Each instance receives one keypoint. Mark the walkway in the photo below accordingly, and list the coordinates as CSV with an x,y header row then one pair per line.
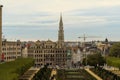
x,y
93,74
113,70
54,72
28,75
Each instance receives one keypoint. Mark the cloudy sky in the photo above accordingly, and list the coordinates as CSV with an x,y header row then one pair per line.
x,y
38,19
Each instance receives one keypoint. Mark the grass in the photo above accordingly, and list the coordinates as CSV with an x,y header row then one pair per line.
x,y
12,70
113,61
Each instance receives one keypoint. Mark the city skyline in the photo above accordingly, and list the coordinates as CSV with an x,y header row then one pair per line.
x,y
26,19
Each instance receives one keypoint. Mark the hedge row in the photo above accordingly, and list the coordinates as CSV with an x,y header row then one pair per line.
x,y
105,74
12,70
43,74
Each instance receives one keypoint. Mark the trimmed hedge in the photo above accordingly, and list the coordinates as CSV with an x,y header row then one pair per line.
x,y
43,74
105,74
12,70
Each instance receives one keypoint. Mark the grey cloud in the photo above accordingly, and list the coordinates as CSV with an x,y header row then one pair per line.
x,y
45,22
98,11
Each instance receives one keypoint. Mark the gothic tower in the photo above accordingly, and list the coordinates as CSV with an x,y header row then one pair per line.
x,y
0,30
61,33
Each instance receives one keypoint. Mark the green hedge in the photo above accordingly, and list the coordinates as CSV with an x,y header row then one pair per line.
x,y
12,70
113,61
43,74
105,74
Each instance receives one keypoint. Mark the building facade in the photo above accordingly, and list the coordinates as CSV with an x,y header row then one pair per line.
x,y
46,52
11,50
49,52
104,47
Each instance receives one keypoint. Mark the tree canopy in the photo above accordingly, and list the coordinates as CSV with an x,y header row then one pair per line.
x,y
94,59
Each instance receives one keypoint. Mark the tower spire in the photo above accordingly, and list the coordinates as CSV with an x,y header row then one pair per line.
x,y
60,16
61,32
61,22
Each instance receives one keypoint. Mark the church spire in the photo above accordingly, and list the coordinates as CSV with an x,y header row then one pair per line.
x,y
61,32
61,22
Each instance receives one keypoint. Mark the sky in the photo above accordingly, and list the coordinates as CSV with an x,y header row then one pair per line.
x,y
31,20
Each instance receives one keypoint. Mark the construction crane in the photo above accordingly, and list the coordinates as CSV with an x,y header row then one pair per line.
x,y
84,38
84,47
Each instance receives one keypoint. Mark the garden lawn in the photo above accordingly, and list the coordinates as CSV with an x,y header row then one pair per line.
x,y
12,70
113,61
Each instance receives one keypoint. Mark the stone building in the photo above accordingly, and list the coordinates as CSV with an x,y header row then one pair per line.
x,y
46,52
49,52
11,50
104,47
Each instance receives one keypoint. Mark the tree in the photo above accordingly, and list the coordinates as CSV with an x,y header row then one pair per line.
x,y
94,59
115,50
